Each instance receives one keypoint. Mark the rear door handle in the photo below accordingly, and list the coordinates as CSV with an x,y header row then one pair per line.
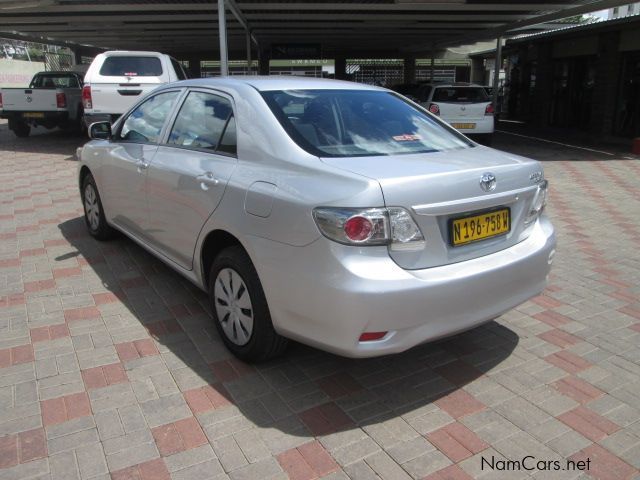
x,y
130,93
142,166
207,179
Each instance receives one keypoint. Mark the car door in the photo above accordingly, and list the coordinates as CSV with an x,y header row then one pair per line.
x,y
124,170
189,173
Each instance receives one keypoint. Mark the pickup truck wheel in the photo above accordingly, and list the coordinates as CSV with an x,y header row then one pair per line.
x,y
240,309
93,211
82,126
21,129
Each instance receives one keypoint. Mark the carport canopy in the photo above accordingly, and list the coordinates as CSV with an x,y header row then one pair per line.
x,y
362,28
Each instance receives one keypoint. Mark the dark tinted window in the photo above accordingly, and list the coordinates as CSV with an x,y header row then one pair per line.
x,y
178,69
201,122
344,123
131,67
55,81
145,123
460,95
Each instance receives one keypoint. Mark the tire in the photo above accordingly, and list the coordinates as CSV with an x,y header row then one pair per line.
x,y
240,309
93,211
485,139
82,126
21,129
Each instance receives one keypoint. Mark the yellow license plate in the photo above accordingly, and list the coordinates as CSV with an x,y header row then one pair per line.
x,y
464,126
480,227
33,115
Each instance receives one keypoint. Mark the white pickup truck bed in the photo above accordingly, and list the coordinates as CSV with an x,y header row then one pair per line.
x,y
54,99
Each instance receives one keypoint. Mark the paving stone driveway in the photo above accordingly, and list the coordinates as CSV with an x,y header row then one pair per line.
x,y
109,364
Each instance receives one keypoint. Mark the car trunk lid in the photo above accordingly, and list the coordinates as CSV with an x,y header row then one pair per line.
x,y
463,111
440,187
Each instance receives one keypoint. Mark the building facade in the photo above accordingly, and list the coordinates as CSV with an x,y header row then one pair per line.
x,y
584,78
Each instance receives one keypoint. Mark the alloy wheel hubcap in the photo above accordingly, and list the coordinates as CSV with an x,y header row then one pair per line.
x,y
233,306
91,207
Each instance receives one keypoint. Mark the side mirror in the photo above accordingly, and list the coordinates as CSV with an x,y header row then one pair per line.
x,y
100,131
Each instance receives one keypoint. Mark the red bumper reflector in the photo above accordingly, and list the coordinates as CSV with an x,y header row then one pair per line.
x,y
371,336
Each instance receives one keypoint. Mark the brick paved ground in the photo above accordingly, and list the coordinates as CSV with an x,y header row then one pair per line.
x,y
109,364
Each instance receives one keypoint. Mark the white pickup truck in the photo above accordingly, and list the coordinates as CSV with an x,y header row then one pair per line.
x,y
118,79
53,99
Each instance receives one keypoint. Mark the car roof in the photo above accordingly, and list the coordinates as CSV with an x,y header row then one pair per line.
x,y
58,72
454,85
274,82
127,53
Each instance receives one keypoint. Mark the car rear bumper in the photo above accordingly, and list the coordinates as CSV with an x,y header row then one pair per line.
x,y
36,117
481,126
326,295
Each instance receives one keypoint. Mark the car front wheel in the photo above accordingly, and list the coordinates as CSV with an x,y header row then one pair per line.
x,y
240,309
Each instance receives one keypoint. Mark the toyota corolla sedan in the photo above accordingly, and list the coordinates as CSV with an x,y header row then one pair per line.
x,y
339,215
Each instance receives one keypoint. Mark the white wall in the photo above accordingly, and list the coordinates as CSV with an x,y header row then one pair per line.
x,y
18,73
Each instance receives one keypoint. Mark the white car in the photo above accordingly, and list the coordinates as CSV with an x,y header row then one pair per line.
x,y
116,80
464,106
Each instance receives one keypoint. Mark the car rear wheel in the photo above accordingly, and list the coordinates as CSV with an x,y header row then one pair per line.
x,y
484,139
240,309
21,129
93,211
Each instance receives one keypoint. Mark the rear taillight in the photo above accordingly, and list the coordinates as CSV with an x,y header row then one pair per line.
x,y
61,100
489,110
358,229
0,100
434,108
86,97
370,226
539,202
371,336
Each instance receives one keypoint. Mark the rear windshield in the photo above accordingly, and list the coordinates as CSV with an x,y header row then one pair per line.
x,y
347,123
414,92
131,67
460,95
55,81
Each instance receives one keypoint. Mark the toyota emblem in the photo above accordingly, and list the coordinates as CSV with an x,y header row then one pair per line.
x,y
29,99
488,182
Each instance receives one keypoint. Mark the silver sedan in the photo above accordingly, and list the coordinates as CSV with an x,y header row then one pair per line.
x,y
339,215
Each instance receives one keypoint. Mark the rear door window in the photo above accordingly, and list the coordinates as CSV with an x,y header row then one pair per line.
x,y
205,121
131,67
460,95
144,124
55,81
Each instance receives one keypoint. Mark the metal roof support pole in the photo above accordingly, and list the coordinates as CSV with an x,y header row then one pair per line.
x,y
433,63
222,33
249,69
496,73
